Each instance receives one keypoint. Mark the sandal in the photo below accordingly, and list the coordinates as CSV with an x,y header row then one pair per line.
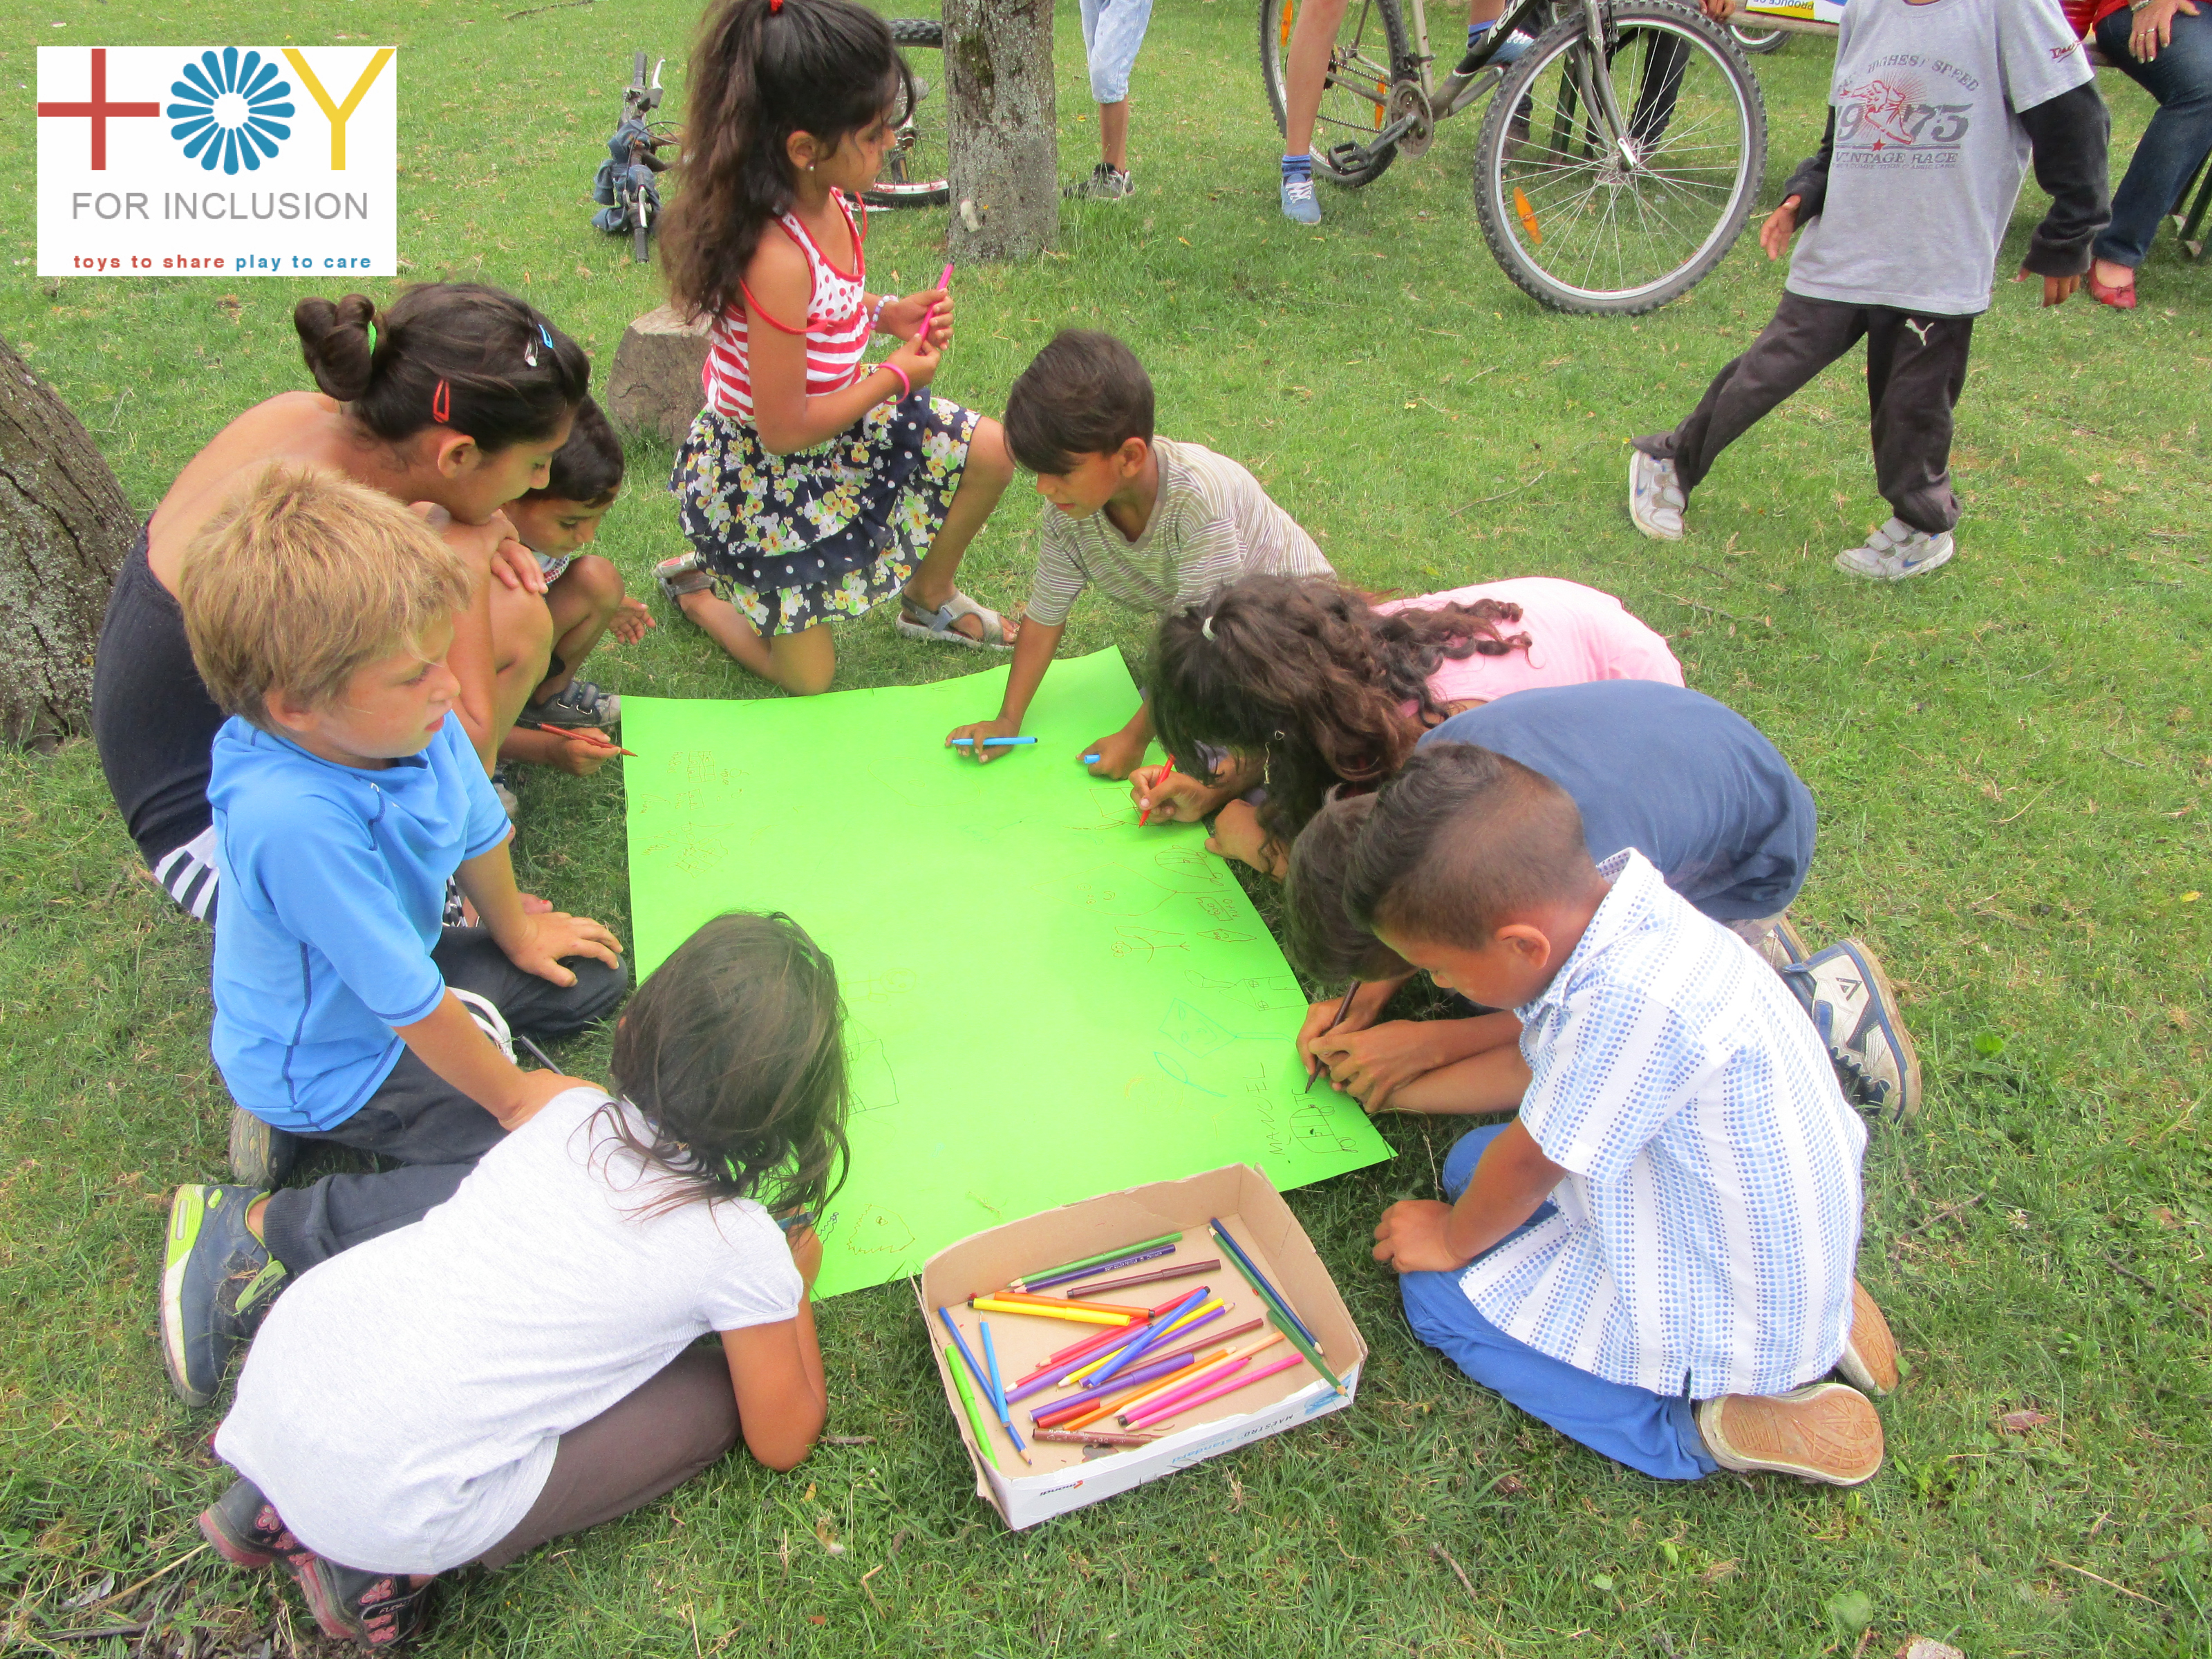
x,y
2120,299
680,575
917,622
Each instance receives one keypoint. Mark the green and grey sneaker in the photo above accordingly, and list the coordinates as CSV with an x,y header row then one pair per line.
x,y
1107,183
1852,1007
217,1283
261,1155
579,703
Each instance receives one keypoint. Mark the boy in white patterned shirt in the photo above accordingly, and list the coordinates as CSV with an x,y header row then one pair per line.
x,y
1656,1255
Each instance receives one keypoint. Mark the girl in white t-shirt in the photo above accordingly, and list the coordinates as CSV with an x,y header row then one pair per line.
x,y
524,1361
1309,683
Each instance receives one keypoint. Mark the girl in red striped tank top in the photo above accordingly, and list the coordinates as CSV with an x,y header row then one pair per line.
x,y
814,486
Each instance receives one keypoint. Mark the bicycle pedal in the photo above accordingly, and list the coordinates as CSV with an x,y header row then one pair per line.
x,y
1347,156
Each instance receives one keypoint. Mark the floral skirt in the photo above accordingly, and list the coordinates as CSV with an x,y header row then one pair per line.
x,y
821,533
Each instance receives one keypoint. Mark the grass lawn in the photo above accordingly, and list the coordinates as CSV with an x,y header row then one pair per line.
x,y
2012,759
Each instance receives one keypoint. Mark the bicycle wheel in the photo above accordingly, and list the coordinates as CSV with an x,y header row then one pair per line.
x,y
1759,42
1370,53
1582,226
914,171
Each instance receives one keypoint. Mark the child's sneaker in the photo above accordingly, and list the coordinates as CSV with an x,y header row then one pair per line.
x,y
1107,183
682,575
579,703
1853,1008
1823,1432
1783,947
1655,498
1895,551
375,1609
217,1283
1869,1356
248,1532
1300,205
261,1155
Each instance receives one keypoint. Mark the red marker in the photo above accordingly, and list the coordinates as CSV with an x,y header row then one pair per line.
x,y
1163,777
944,281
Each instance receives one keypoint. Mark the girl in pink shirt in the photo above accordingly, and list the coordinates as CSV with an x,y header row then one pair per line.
x,y
1309,683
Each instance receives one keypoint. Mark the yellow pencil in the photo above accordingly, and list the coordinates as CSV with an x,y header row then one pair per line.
x,y
1080,1315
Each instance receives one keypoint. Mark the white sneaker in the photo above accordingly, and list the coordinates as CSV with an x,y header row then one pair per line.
x,y
1656,500
1895,551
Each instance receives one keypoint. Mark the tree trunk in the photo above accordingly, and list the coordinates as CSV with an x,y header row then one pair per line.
x,y
1005,159
65,528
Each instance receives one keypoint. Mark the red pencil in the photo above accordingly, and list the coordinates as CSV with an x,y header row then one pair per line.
x,y
1163,777
596,737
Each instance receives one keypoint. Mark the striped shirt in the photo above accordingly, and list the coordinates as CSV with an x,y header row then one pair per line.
x,y
836,326
1707,1228
1211,524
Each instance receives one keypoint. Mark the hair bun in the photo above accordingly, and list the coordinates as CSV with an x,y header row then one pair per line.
x,y
334,339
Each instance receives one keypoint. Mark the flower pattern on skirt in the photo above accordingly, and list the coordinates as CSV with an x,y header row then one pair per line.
x,y
823,533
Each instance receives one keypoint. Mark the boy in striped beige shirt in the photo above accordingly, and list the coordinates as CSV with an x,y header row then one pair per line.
x,y
1154,524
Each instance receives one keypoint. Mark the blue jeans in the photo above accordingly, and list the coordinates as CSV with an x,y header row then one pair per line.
x,y
1112,32
2179,135
1652,1433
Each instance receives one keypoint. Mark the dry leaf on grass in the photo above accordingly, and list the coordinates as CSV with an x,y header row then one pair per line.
x,y
2021,1422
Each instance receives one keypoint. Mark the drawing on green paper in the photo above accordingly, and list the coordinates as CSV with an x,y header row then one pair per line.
x,y
1044,1001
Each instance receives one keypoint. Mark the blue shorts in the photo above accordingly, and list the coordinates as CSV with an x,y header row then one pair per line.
x,y
1112,32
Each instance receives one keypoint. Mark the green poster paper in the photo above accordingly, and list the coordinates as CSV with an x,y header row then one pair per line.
x,y
1045,1002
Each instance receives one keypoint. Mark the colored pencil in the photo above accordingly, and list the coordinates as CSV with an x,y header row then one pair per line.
x,y
1163,778
1091,759
1068,1276
1258,1280
961,1343
1057,1375
1092,1438
1180,1270
1230,1386
974,1417
1106,1409
990,743
990,1304
1074,1351
1342,1009
1225,1357
929,316
1190,1350
1152,1337
1076,1404
1159,1330
991,1365
1023,1282
592,735
1287,1321
804,1218
1205,1315
1064,1301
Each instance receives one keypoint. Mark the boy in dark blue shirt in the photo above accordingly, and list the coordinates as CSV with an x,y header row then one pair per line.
x,y
345,795
1685,780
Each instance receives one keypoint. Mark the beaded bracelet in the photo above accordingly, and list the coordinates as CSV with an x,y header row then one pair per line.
x,y
876,314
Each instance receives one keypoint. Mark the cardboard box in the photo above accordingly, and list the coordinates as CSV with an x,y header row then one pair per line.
x,y
1069,1477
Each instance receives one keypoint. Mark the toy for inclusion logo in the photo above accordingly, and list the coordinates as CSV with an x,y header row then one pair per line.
x,y
625,182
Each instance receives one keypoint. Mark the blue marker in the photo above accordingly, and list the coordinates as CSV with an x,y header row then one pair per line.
x,y
1091,759
804,1218
991,743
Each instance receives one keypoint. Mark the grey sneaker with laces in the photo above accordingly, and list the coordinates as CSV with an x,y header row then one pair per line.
x,y
1657,499
1895,551
579,703
1107,183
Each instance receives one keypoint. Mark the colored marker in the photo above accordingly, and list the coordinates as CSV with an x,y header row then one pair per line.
x,y
1258,1280
1064,1301
1100,1364
1068,1276
1076,1404
944,281
1231,1386
1005,1419
1288,1322
974,1417
1091,759
990,743
1037,1310
991,1365
1180,1270
1028,1281
1151,1339
1163,779
1342,1009
804,1218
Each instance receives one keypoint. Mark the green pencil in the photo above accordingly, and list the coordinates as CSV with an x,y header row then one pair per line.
x,y
974,1417
1287,1323
1093,1261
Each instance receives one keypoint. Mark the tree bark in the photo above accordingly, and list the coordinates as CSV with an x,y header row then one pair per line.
x,y
65,528
1005,154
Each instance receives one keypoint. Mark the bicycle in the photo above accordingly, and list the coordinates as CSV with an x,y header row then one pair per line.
x,y
625,181
1758,42
1590,205
915,171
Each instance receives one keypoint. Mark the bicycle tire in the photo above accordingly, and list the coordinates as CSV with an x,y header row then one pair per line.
x,y
1653,23
1276,18
1759,42
927,186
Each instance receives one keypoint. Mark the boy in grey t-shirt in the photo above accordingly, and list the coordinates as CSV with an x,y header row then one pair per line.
x,y
1937,109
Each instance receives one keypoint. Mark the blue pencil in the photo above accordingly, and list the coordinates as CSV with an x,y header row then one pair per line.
x,y
1151,1339
990,743
983,1381
991,1365
1260,1283
804,1218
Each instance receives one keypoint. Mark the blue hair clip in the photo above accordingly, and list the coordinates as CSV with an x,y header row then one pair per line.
x,y
546,335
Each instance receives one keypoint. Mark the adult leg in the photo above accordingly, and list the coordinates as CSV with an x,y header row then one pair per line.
x,y
640,1448
2175,141
1803,338
983,478
1915,368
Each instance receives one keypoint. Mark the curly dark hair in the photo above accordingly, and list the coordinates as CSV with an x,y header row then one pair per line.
x,y
1304,671
759,72
733,1053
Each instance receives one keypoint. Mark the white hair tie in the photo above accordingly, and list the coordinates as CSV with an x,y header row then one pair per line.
x,y
1206,627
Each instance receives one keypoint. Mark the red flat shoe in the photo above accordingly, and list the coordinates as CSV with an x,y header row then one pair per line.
x,y
2120,299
